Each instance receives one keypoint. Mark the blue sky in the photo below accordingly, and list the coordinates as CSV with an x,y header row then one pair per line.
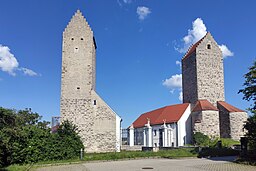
x,y
139,44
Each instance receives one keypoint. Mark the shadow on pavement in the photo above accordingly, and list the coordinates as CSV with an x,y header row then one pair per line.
x,y
225,158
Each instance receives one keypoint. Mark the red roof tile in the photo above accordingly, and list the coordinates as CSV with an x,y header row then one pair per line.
x,y
229,107
168,113
193,48
203,105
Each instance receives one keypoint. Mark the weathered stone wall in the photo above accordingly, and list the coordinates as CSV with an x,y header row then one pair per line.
x,y
202,73
224,122
206,122
231,123
237,121
210,76
189,80
79,102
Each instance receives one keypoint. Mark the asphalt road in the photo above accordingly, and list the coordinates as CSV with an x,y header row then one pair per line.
x,y
194,164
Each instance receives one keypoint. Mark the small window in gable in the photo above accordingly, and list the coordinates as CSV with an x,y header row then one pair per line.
x,y
208,46
94,102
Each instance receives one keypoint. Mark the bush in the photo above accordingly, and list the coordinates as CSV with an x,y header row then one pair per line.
x,y
200,139
24,139
217,152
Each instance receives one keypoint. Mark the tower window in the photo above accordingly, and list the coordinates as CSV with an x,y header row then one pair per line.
x,y
94,102
208,46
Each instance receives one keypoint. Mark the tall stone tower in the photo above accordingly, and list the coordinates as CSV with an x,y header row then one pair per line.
x,y
203,87
202,72
99,125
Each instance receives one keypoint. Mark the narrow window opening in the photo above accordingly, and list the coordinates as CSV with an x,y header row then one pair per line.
x,y
208,46
82,38
94,102
72,38
78,88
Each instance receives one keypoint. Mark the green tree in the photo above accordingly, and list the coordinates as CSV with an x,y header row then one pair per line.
x,y
26,139
249,92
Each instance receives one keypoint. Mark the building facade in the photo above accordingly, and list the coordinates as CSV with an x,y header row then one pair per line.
x,y
203,91
203,88
99,125
168,126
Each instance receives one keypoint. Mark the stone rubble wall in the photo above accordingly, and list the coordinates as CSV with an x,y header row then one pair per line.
x,y
224,122
231,123
210,75
206,122
189,80
237,121
79,102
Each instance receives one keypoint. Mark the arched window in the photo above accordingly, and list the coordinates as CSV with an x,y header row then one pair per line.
x,y
208,46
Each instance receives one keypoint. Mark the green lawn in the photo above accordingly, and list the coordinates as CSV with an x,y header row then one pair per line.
x,y
175,153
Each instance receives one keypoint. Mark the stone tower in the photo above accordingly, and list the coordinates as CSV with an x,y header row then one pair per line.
x,y
99,125
203,87
202,72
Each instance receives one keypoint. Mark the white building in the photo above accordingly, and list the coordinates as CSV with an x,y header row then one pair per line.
x,y
169,126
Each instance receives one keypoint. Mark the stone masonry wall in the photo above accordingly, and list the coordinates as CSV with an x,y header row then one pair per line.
x,y
79,102
206,122
202,73
189,80
224,122
231,123
210,75
237,121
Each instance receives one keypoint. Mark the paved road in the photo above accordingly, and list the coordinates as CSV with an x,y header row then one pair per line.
x,y
214,164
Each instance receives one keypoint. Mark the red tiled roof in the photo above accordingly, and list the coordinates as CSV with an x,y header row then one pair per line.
x,y
168,113
229,107
193,47
203,105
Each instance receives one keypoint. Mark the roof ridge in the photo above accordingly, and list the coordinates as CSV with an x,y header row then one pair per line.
x,y
229,107
193,46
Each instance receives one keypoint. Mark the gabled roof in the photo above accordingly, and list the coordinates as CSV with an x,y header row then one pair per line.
x,y
202,105
168,113
229,107
193,47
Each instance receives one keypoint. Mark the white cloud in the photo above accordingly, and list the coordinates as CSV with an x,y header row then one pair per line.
x,y
127,1
225,51
122,2
198,31
28,72
175,81
181,95
143,12
178,63
8,62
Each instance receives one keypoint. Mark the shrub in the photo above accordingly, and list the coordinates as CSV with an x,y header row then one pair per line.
x,y
217,152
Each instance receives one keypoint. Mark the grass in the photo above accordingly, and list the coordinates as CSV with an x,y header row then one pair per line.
x,y
227,142
174,153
